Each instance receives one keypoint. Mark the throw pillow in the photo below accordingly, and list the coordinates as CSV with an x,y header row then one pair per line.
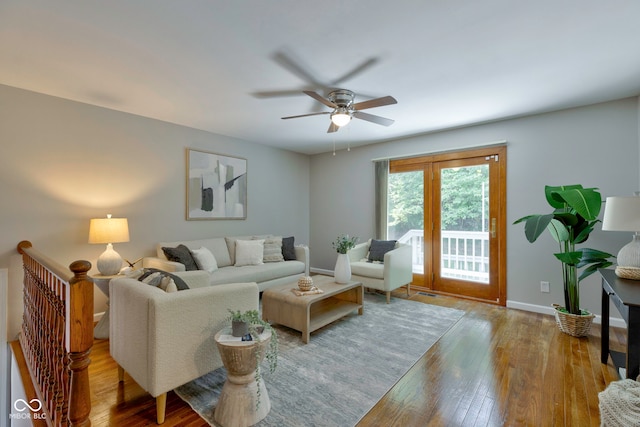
x,y
288,250
272,249
181,254
153,276
168,285
249,252
165,283
205,259
378,248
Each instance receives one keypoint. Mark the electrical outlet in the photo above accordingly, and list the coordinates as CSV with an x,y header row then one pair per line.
x,y
544,286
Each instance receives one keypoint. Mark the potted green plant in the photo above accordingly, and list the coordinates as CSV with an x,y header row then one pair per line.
x,y
255,326
574,216
342,270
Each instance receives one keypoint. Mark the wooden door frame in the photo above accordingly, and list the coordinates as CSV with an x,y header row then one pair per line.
x,y
425,163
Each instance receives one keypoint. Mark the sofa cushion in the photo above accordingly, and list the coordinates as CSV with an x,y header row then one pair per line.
x,y
288,249
257,273
181,254
378,248
367,269
205,259
249,252
272,249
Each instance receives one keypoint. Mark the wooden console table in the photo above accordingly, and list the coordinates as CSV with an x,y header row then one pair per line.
x,y
625,295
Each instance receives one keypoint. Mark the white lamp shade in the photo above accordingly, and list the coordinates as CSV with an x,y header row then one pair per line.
x,y
108,230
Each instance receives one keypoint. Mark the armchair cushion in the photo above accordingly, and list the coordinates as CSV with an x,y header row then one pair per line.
x,y
367,269
378,248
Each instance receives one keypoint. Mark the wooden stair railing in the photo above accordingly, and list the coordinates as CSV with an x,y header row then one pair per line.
x,y
57,335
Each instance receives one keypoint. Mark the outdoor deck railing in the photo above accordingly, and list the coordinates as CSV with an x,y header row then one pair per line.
x,y
465,254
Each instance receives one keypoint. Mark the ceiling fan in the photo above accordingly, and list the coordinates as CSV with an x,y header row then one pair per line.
x,y
343,108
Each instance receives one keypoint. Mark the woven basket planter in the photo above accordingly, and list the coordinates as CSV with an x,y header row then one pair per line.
x,y
573,324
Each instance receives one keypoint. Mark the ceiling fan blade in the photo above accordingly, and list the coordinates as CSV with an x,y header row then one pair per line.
x,y
319,98
294,67
357,70
333,128
305,115
373,119
378,102
276,93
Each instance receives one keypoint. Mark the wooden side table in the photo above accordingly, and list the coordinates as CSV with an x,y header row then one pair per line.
x,y
625,295
238,402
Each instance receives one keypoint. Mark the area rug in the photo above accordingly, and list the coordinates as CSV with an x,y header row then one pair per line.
x,y
344,370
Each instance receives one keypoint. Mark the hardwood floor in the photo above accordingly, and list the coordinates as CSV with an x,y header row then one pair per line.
x,y
495,367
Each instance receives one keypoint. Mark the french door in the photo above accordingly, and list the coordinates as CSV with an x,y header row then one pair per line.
x,y
450,208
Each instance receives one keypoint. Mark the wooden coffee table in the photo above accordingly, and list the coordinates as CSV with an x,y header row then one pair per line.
x,y
308,313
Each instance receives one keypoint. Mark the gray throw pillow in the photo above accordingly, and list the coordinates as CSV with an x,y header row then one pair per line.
x,y
181,254
288,250
380,247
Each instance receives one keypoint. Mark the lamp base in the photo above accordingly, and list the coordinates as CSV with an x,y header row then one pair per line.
x,y
110,262
631,273
629,260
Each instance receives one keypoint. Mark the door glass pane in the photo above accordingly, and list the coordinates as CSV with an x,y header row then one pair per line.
x,y
405,214
464,219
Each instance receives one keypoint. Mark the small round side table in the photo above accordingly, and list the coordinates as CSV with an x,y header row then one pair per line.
x,y
238,402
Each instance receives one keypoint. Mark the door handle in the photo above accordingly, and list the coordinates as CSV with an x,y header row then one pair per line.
x,y
493,228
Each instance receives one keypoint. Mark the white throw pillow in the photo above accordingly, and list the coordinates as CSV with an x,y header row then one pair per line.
x,y
205,259
249,252
168,285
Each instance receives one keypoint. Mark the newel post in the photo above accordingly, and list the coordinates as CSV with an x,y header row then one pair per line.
x,y
79,340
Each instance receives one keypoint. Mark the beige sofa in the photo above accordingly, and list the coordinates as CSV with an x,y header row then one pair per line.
x,y
266,275
164,340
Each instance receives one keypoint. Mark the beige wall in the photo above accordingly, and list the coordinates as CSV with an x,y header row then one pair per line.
x,y
62,163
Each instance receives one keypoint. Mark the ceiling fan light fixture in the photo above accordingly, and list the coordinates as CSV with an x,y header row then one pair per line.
x,y
341,117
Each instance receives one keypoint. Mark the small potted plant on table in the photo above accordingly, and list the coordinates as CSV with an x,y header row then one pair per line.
x,y
573,219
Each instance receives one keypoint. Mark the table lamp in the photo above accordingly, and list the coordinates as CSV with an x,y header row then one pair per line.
x,y
623,214
109,230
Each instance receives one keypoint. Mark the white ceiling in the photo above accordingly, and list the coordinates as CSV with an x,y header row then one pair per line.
x,y
210,64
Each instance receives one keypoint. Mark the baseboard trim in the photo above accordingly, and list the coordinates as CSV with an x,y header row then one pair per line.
x,y
321,271
613,321
617,322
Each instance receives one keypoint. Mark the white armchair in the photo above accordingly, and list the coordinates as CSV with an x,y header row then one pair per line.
x,y
394,272
164,340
